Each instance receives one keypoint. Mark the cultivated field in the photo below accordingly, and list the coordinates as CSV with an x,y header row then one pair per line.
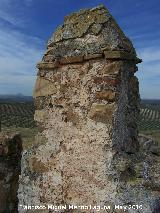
x,y
19,116
16,114
149,116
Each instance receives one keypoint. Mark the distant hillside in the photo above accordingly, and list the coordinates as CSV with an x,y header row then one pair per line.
x,y
15,98
150,101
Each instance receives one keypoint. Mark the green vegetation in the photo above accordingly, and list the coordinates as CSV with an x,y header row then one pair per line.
x,y
149,121
19,117
17,114
27,134
149,117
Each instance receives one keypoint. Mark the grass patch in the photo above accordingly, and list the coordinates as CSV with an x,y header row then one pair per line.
x,y
27,134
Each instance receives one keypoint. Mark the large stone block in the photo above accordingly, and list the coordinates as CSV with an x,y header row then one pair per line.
x,y
44,87
48,65
106,95
106,80
40,115
111,68
102,113
70,60
94,56
118,55
36,165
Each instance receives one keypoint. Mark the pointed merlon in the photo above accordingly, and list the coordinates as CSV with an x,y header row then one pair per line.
x,y
89,32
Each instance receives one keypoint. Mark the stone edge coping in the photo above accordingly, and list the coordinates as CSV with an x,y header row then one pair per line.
x,y
116,55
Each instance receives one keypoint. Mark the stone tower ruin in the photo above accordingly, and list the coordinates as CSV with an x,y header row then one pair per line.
x,y
87,105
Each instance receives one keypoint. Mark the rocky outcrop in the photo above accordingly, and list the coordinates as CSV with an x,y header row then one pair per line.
x,y
87,105
10,169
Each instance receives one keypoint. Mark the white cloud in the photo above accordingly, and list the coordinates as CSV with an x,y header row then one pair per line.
x,y
150,67
18,52
6,14
6,17
17,84
149,54
28,2
149,72
18,61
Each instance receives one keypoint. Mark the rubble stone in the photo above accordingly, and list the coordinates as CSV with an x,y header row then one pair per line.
x,y
10,169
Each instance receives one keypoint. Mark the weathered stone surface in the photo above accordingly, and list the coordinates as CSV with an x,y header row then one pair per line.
x,y
42,102
125,107
77,24
69,60
118,55
37,166
102,113
71,116
107,80
40,115
88,57
48,58
106,95
44,87
49,65
10,168
111,68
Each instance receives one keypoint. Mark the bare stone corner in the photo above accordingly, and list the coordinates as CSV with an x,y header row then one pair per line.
x,y
87,105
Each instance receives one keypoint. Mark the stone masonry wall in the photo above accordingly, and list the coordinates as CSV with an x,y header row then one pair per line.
x,y
87,105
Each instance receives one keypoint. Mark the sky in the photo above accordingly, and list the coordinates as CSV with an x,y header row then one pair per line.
x,y
27,25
